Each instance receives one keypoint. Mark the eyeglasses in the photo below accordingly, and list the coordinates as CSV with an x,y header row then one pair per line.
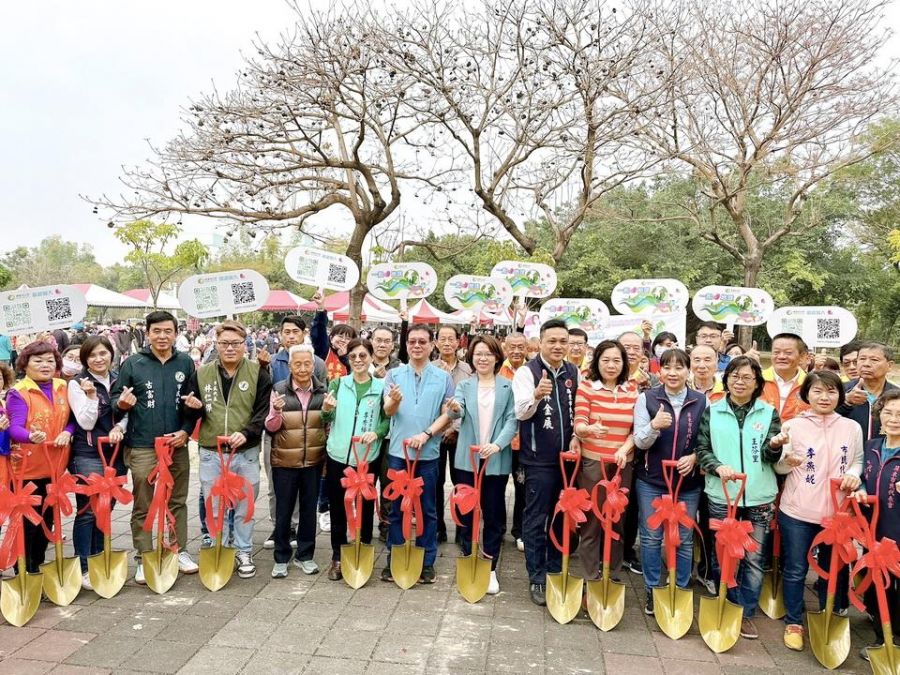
x,y
230,344
484,355
742,378
358,357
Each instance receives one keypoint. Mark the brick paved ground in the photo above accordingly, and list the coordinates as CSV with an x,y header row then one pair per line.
x,y
313,625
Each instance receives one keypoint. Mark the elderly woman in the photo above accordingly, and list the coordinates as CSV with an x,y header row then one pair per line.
x,y
38,410
90,404
298,454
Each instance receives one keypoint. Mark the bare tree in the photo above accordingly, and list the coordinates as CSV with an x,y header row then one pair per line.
x,y
538,98
767,97
315,122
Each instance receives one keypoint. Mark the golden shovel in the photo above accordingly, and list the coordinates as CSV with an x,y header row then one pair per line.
x,y
161,564
605,597
357,559
19,597
564,590
107,570
719,618
473,572
407,560
62,576
673,607
771,597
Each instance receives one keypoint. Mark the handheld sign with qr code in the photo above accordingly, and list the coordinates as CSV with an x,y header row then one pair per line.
x,y
321,269
222,293
820,327
31,310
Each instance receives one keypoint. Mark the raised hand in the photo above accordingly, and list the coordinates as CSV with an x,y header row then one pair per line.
x,y
192,402
663,420
329,403
87,386
127,400
544,387
277,401
395,394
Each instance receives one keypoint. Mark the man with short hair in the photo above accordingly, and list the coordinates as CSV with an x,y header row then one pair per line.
x,y
578,342
785,377
149,390
634,347
703,373
544,391
383,360
848,356
874,361
230,397
515,348
710,333
414,398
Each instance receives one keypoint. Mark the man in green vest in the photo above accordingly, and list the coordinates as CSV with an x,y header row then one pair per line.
x,y
230,396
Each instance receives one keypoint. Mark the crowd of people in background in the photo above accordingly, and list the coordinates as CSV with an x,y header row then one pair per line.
x,y
290,398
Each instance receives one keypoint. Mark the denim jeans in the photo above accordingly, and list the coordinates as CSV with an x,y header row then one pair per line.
x,y
652,550
86,538
542,488
796,538
201,505
246,464
428,471
749,574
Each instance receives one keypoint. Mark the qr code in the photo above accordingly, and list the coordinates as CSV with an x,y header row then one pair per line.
x,y
242,293
828,329
794,326
207,298
17,315
306,267
59,309
337,274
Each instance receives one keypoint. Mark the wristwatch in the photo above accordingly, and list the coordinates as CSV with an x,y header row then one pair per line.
x,y
428,433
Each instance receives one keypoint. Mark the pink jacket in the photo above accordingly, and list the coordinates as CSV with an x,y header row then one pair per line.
x,y
831,446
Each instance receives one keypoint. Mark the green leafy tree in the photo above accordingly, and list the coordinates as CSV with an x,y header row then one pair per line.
x,y
52,261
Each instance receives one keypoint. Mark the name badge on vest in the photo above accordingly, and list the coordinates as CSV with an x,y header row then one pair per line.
x,y
243,385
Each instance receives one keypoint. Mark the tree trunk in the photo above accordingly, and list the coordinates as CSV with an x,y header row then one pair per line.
x,y
358,292
752,267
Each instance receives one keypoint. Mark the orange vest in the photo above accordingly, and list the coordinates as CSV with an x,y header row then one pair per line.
x,y
506,370
51,418
793,404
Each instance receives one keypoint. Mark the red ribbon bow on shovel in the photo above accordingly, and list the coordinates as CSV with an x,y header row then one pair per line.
x,y
838,531
229,488
882,561
733,541
463,500
163,483
615,503
358,485
102,490
670,513
58,492
573,504
16,506
404,486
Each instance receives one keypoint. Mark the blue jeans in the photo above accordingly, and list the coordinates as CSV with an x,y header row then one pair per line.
x,y
796,538
87,539
749,573
201,498
246,464
652,551
428,471
542,488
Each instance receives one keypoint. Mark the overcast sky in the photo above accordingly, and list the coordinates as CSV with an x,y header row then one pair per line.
x,y
85,82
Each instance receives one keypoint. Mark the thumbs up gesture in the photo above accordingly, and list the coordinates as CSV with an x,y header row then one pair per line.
x,y
192,402
663,420
544,387
857,395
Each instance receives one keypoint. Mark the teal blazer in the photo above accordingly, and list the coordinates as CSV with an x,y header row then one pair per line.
x,y
503,426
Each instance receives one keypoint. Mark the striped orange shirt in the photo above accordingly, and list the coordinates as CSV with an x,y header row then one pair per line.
x,y
613,408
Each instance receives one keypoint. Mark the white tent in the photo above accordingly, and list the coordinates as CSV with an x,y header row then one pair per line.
x,y
164,301
97,296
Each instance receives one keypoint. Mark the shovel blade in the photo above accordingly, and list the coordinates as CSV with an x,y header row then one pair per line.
x,y
19,607
831,645
160,570
62,589
216,566
107,585
406,564
674,617
605,615
357,570
885,660
771,598
473,574
719,636
564,593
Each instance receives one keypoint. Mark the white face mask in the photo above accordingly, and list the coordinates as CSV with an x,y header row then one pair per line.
x,y
71,368
659,350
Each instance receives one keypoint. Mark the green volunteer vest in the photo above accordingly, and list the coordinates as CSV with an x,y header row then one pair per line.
x,y
742,449
221,417
366,416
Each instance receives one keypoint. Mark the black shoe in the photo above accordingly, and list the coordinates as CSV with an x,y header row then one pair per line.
x,y
648,608
539,594
386,574
428,575
634,565
442,536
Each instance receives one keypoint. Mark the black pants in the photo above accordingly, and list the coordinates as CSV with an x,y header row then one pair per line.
x,y
518,477
35,539
333,475
893,603
291,486
448,450
384,505
493,507
542,488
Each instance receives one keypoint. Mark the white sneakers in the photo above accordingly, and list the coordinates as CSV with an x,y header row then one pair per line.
x,y
325,521
279,571
139,575
493,585
520,544
186,564
86,582
245,567
308,566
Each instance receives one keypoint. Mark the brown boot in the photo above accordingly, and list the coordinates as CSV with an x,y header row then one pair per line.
x,y
334,571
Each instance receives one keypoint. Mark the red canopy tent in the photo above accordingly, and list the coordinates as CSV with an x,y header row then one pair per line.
x,y
338,307
333,302
282,301
424,312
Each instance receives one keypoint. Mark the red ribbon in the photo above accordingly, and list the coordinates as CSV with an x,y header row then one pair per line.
x,y
102,490
16,506
358,485
409,490
614,505
573,504
670,513
57,497
463,500
838,531
230,488
163,483
733,541
882,561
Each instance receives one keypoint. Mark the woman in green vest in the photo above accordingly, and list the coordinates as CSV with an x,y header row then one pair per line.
x,y
742,434
353,407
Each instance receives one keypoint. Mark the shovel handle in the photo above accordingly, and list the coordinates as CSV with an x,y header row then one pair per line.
x,y
732,504
569,456
104,440
356,441
669,468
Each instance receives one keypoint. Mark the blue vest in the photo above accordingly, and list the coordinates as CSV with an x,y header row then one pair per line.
x,y
672,443
85,442
549,431
421,405
881,480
